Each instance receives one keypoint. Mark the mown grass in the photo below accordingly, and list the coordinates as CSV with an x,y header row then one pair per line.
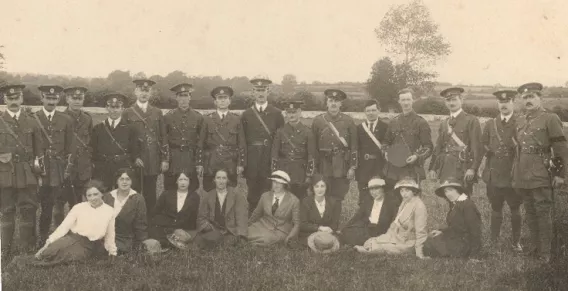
x,y
280,268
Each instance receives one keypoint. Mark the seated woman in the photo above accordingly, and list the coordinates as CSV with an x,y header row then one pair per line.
x,y
131,227
407,232
83,228
223,214
318,212
462,236
175,210
372,219
276,218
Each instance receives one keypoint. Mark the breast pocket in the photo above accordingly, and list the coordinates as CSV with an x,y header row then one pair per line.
x,y
58,136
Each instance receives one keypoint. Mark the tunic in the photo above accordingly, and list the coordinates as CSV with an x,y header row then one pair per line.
x,y
182,129
500,145
371,159
267,228
293,151
334,158
83,126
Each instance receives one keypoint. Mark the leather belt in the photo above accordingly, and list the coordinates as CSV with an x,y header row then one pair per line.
x,y
259,143
370,157
113,157
182,148
534,150
20,158
452,149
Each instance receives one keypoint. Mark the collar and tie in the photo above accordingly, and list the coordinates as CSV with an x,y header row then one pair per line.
x,y
49,117
113,124
275,205
222,116
371,125
260,109
504,120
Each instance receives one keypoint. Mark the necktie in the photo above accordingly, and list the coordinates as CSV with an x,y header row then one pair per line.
x,y
274,206
260,109
112,124
222,117
504,120
49,117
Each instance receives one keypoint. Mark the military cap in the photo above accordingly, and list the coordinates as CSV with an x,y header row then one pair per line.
x,y
505,95
115,99
450,182
75,90
50,89
143,82
292,105
530,88
451,92
12,89
335,94
222,91
260,81
182,88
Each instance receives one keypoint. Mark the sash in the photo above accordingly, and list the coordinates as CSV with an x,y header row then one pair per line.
x,y
261,121
454,136
12,133
43,129
220,135
113,139
372,136
147,126
336,132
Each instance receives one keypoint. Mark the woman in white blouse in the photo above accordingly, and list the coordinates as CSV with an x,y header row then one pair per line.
x,y
77,236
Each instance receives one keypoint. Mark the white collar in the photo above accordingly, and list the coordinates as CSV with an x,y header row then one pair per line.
x,y
182,194
47,113
114,193
506,117
372,121
320,203
222,192
143,106
461,198
12,114
258,106
117,121
455,114
222,113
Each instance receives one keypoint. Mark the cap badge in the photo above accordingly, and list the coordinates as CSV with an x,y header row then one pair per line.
x,y
334,93
259,83
526,89
11,90
182,89
52,90
222,92
503,95
291,106
78,92
145,84
114,100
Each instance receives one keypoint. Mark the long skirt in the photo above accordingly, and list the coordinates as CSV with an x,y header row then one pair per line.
x,y
388,244
259,235
70,248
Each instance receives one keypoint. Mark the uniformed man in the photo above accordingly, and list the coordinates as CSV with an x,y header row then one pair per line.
x,y
114,142
410,134
458,151
58,150
541,141
260,123
294,150
82,165
370,139
222,141
336,139
21,141
500,146
183,126
150,129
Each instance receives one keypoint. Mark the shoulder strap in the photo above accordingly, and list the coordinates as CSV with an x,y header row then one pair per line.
x,y
113,139
372,136
12,133
147,126
261,121
454,136
335,132
288,139
43,129
497,130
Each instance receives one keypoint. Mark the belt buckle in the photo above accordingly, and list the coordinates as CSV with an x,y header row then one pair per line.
x,y
366,157
16,158
265,142
183,147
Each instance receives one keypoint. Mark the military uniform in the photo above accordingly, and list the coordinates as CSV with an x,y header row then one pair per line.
x,y
222,140
21,142
499,141
371,158
294,152
151,132
539,137
450,159
411,131
82,161
259,146
182,131
114,144
335,159
58,149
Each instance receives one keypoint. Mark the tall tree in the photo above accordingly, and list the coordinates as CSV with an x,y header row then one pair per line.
x,y
1,58
410,35
289,83
381,84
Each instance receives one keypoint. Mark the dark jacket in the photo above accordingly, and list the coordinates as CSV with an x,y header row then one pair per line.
x,y
130,226
167,216
500,149
371,159
310,217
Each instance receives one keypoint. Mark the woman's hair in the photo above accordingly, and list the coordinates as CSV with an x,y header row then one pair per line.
x,y
95,184
185,174
316,179
129,172
222,170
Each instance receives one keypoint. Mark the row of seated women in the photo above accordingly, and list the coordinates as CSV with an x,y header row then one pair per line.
x,y
394,223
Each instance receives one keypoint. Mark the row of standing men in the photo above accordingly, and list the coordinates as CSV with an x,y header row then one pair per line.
x,y
65,149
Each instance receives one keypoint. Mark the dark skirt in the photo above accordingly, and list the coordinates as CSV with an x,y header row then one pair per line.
x,y
70,248
358,233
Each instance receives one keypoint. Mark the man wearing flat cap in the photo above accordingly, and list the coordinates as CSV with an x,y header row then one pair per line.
x,y
222,141
500,150
294,150
21,148
114,142
260,123
82,165
150,128
458,150
540,166
183,125
336,140
58,148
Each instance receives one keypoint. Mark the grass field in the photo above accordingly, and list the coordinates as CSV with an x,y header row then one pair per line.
x,y
279,268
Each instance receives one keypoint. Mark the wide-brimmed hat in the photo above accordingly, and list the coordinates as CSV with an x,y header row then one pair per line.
x,y
180,239
280,177
450,182
153,247
323,242
407,183
375,182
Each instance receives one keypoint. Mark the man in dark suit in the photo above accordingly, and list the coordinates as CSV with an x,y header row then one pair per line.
x,y
371,160
260,123
500,146
58,148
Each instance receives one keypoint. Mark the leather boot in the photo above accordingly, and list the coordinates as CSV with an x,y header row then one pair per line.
x,y
496,221
7,232
27,229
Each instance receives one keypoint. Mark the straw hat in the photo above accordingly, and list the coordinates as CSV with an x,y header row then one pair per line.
x,y
180,239
280,177
450,182
323,242
407,183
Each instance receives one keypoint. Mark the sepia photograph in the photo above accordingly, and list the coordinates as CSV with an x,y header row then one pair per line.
x,y
284,145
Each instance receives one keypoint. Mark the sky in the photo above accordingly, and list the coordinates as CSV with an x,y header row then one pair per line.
x,y
493,41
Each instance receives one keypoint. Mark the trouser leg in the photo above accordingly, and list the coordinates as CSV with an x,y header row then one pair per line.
x,y
531,218
27,203
8,219
256,186
339,187
299,190
514,200
364,195
543,207
496,198
46,201
149,193
59,205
